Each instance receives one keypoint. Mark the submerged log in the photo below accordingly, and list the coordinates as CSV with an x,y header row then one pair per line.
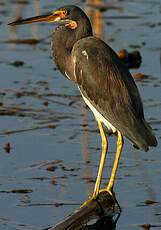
x,y
104,206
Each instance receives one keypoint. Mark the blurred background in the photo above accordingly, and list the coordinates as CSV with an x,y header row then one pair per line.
x,y
49,141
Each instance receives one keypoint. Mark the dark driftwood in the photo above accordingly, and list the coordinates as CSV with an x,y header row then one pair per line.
x,y
94,209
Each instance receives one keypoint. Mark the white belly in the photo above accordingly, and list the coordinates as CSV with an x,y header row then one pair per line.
x,y
98,116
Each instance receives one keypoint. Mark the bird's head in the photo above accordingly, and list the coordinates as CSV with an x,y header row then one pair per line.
x,y
70,15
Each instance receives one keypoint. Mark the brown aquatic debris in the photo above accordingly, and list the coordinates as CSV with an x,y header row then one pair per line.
x,y
7,147
30,41
148,202
51,168
132,60
140,76
17,63
145,226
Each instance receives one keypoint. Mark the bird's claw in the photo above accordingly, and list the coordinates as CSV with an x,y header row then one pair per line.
x,y
95,196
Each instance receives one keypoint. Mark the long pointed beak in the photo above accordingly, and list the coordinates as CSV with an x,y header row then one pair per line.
x,y
52,17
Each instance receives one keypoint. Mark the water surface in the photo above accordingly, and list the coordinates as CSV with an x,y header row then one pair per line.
x,y
46,123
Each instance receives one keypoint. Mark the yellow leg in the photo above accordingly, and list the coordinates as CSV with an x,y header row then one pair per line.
x,y
103,156
109,188
102,161
120,143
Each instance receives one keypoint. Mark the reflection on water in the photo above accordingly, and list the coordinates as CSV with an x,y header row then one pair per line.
x,y
18,13
95,16
45,123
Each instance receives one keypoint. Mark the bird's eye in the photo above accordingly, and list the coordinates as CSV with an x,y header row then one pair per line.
x,y
65,12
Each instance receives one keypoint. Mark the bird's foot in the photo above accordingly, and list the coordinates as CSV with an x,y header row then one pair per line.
x,y
96,195
93,197
87,201
111,192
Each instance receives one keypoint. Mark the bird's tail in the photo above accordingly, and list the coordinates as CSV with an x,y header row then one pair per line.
x,y
143,136
150,138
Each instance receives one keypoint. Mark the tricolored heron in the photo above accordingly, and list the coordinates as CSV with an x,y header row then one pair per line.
x,y
105,83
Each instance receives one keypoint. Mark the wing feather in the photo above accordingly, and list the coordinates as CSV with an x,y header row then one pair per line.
x,y
106,82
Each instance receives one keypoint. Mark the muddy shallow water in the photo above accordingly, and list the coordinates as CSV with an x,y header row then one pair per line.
x,y
49,149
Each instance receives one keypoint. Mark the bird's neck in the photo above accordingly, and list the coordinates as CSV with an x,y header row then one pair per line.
x,y
63,40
